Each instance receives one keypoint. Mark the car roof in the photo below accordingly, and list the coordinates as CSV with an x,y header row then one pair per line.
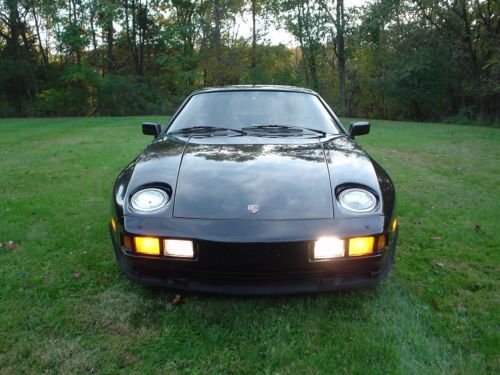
x,y
254,88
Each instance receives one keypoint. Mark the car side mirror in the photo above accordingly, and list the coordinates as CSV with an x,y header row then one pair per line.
x,y
359,128
151,128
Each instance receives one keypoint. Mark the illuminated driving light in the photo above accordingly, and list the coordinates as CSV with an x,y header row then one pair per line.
x,y
147,245
359,246
328,248
178,248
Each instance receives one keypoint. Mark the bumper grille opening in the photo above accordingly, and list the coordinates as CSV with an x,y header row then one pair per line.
x,y
254,257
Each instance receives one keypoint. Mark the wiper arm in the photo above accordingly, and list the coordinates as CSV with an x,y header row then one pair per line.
x,y
204,129
283,127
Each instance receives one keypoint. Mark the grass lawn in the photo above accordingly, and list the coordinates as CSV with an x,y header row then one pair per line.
x,y
65,307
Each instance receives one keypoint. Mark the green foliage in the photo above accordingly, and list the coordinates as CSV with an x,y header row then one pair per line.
x,y
15,90
118,96
275,67
73,39
400,59
71,95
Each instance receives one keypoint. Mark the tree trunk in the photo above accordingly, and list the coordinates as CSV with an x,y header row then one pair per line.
x,y
13,43
350,95
341,54
28,58
94,41
109,41
45,60
73,19
143,25
254,35
219,75
17,30
133,39
305,57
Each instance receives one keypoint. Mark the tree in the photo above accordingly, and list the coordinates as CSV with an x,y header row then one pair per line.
x,y
404,59
473,28
305,20
337,30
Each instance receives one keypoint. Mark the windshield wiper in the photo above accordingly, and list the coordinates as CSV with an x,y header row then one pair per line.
x,y
279,128
204,130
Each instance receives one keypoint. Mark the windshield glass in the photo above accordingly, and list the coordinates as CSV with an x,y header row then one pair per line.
x,y
240,109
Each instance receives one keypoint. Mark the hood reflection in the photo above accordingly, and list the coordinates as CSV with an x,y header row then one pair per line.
x,y
243,153
163,148
286,181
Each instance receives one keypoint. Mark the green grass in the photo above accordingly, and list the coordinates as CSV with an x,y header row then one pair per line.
x,y
437,313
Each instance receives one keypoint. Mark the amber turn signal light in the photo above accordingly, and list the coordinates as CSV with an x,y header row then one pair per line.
x,y
381,242
359,246
394,225
147,245
127,242
113,224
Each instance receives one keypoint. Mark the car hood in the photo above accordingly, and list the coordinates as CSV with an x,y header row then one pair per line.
x,y
253,181
252,178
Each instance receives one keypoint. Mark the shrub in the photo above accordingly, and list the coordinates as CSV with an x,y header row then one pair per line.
x,y
117,96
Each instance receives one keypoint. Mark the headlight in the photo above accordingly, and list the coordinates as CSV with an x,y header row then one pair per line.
x,y
328,247
178,248
150,199
358,200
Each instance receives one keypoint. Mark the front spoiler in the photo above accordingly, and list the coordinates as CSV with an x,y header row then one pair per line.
x,y
358,273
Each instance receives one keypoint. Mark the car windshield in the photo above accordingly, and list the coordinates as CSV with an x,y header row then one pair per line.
x,y
246,109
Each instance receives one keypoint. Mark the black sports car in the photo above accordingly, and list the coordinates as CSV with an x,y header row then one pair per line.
x,y
254,190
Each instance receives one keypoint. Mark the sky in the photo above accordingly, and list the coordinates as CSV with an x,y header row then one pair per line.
x,y
279,36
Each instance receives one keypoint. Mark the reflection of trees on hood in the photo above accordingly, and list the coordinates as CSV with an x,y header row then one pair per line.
x,y
243,153
237,153
342,145
170,146
164,147
309,152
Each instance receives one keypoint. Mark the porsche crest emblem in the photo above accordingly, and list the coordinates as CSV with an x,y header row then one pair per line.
x,y
253,208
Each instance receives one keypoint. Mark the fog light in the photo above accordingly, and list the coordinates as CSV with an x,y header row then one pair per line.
x,y
328,248
147,245
178,248
359,246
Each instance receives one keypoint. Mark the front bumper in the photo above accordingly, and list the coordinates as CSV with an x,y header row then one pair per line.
x,y
253,269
